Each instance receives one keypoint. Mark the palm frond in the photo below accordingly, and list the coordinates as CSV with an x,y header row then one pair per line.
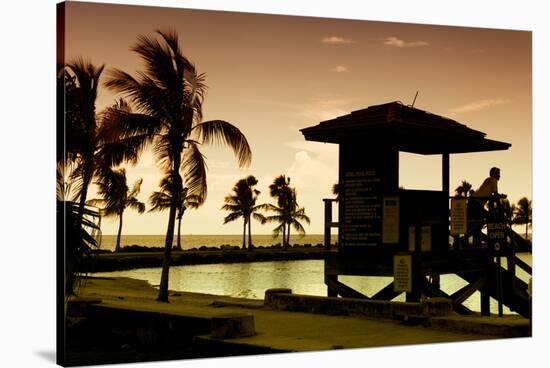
x,y
193,201
145,95
298,227
194,168
259,217
96,202
232,200
232,217
182,64
136,205
112,188
118,121
136,187
275,218
87,76
162,149
277,231
159,201
195,92
262,207
161,64
231,207
126,149
219,132
301,215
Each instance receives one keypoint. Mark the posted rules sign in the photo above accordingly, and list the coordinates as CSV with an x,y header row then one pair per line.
x,y
458,216
402,273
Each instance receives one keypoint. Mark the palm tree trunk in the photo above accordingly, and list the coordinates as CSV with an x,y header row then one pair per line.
x,y
117,248
284,236
526,230
288,236
244,233
178,245
86,179
163,287
249,234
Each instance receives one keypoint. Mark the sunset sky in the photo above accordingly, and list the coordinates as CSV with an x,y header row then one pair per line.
x,y
273,75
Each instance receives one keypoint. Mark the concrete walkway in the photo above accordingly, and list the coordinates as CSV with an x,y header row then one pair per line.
x,y
278,330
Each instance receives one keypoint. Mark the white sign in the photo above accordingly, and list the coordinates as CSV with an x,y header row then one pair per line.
x,y
426,238
458,216
390,220
402,273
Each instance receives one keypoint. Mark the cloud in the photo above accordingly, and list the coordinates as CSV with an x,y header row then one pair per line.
x,y
335,40
313,172
478,105
321,110
396,42
340,69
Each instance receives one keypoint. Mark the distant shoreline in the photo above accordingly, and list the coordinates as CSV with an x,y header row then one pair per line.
x,y
196,241
152,258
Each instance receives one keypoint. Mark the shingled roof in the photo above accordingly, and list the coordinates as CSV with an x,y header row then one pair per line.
x,y
406,128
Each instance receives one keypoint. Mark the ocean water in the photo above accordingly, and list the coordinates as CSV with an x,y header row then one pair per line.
x,y
250,280
108,242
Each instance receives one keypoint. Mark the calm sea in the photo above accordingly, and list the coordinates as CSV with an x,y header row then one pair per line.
x,y
250,280
194,241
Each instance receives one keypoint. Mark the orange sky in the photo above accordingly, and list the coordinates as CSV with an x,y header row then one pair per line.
x,y
273,75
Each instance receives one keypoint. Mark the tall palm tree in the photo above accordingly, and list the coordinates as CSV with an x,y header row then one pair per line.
x,y
464,189
288,214
523,214
168,96
89,141
116,196
242,203
162,200
82,123
281,191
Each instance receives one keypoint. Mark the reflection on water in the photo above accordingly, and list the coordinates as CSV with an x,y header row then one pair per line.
x,y
250,280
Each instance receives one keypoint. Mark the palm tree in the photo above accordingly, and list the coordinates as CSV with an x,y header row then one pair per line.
x,y
280,190
162,200
336,190
89,141
116,196
168,96
82,122
288,214
75,226
508,210
523,214
242,203
464,189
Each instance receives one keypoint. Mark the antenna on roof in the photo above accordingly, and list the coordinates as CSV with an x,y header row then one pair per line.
x,y
414,100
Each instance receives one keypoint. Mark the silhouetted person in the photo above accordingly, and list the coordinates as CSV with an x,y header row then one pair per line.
x,y
489,188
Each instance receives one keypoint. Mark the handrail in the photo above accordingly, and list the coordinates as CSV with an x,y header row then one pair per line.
x,y
524,266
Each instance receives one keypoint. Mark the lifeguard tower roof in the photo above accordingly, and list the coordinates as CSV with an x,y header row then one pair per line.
x,y
405,128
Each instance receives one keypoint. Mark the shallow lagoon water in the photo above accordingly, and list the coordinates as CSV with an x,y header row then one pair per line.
x,y
250,280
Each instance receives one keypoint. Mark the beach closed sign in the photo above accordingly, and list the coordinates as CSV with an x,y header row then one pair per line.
x,y
402,273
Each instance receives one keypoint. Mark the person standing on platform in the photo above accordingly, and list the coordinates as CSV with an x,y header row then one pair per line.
x,y
489,187
476,211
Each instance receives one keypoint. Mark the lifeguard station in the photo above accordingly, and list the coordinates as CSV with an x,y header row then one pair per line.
x,y
384,230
